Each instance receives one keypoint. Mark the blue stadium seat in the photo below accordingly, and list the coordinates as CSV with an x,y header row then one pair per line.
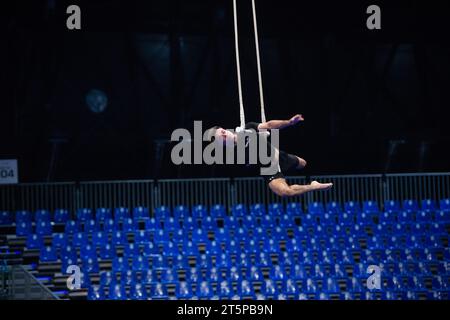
x,y
179,235
90,226
106,278
102,214
233,247
84,214
5,218
44,228
239,210
294,209
405,217
286,221
131,250
23,228
152,224
225,290
170,249
271,246
203,261
161,236
138,292
254,274
200,236
279,234
120,264
293,246
213,248
241,234
370,207
222,235
269,289
129,225
223,261
248,222
80,239
140,213
388,217
232,222
169,276
149,249
204,290
59,240
190,223
245,289
190,248
99,238
90,265
66,262
331,286
392,206
148,277
158,291
277,273
309,219
23,216
263,260
267,222
257,209
218,211
95,293
410,205
121,213
243,260
171,224
109,225
42,215
276,209
346,218
117,292
140,263
352,206
68,252
88,251
119,238
199,211
316,208
444,204
428,205
181,212
183,290
442,216
333,207
208,223
424,216
161,213
180,262
194,275
71,227
34,241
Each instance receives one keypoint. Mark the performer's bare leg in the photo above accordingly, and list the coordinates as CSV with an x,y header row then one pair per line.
x,y
280,187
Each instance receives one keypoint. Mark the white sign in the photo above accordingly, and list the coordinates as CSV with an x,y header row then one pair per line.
x,y
8,171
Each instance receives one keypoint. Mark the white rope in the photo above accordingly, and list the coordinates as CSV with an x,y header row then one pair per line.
x,y
238,67
258,64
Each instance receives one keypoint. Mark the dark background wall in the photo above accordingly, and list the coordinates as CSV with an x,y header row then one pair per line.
x,y
374,101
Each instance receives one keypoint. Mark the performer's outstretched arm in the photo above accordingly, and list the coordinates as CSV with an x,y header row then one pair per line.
x,y
280,124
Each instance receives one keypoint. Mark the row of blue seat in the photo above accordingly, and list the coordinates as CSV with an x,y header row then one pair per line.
x,y
246,288
300,238
200,211
171,224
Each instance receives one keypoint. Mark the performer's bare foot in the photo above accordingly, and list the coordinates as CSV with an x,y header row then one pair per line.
x,y
320,186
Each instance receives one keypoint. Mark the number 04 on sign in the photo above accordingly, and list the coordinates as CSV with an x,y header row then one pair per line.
x,y
8,171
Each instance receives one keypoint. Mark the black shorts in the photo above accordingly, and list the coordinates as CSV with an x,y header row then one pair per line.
x,y
287,162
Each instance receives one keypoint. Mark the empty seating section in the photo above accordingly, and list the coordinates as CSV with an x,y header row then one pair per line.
x,y
249,251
